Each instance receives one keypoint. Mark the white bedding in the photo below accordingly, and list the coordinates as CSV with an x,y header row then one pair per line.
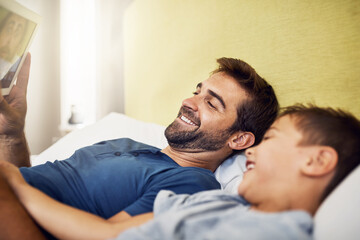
x,y
337,218
114,125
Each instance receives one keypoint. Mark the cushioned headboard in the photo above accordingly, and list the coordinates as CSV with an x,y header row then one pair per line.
x,y
308,50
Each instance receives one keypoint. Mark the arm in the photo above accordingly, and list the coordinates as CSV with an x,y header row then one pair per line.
x,y
16,223
55,216
13,108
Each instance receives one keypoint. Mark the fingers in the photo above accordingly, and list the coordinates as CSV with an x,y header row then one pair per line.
x,y
1,96
4,106
9,171
4,165
23,77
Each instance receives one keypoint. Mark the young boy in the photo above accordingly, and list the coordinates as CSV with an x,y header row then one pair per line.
x,y
304,155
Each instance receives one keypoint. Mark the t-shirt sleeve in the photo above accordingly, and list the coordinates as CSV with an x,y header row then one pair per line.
x,y
166,200
184,182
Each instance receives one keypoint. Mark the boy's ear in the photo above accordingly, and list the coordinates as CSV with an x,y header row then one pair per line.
x,y
241,140
321,161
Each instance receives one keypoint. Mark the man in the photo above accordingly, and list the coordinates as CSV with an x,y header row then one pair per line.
x,y
301,159
118,179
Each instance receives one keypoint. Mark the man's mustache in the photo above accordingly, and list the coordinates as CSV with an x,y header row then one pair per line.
x,y
187,112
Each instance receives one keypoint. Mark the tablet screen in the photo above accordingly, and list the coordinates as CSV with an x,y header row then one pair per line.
x,y
17,29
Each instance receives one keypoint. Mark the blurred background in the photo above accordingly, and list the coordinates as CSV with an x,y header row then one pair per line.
x,y
142,57
77,64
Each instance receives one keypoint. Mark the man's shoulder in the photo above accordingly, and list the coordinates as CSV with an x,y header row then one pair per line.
x,y
192,173
188,180
121,144
124,141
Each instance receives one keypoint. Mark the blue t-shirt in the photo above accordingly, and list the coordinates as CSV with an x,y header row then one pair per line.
x,y
218,215
116,175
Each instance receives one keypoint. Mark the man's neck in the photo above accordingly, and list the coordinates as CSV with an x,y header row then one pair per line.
x,y
196,158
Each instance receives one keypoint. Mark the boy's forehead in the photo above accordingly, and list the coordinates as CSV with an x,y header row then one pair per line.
x,y
287,125
285,120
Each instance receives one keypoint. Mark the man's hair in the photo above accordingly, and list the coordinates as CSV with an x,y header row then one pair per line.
x,y
261,107
329,127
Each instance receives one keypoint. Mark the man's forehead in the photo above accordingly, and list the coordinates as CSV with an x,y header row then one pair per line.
x,y
225,86
219,81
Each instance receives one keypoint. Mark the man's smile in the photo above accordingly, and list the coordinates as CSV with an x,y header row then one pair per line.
x,y
187,116
187,120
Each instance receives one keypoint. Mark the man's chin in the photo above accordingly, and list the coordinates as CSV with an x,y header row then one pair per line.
x,y
180,129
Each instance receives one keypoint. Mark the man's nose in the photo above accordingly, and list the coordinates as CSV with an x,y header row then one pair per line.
x,y
191,102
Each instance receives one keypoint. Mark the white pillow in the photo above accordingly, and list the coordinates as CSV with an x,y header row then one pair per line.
x,y
339,215
230,172
112,126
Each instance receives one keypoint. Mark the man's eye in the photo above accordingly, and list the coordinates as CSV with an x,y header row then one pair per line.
x,y
210,104
195,93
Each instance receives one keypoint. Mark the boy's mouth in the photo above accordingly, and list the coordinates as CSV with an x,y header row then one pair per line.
x,y
250,165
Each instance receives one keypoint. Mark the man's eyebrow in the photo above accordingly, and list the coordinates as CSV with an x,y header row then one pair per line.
x,y
218,97
214,94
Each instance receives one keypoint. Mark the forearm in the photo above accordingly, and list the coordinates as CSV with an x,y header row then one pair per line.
x,y
62,221
15,221
14,149
65,222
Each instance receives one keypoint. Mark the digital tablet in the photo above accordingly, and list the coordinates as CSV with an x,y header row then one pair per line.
x,y
18,26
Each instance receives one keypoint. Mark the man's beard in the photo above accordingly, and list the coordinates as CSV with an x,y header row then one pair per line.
x,y
195,139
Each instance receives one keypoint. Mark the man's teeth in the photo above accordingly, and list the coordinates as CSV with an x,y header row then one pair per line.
x,y
250,166
185,119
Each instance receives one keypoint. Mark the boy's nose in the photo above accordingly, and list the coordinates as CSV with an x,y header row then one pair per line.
x,y
249,152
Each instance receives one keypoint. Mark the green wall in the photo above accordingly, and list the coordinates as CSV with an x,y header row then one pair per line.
x,y
309,50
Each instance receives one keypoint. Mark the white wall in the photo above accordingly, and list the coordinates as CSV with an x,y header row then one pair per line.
x,y
110,56
43,117
44,91
78,60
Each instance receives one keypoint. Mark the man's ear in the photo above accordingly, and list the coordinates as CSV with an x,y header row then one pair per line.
x,y
321,161
241,140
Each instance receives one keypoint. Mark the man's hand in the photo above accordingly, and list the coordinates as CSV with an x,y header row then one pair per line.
x,y
13,107
12,174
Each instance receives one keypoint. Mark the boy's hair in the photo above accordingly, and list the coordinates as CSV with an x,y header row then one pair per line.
x,y
329,127
259,111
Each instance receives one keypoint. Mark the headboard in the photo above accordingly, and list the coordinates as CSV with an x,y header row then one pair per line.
x,y
308,50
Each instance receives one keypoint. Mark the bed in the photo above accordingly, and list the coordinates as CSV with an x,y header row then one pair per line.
x,y
337,218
